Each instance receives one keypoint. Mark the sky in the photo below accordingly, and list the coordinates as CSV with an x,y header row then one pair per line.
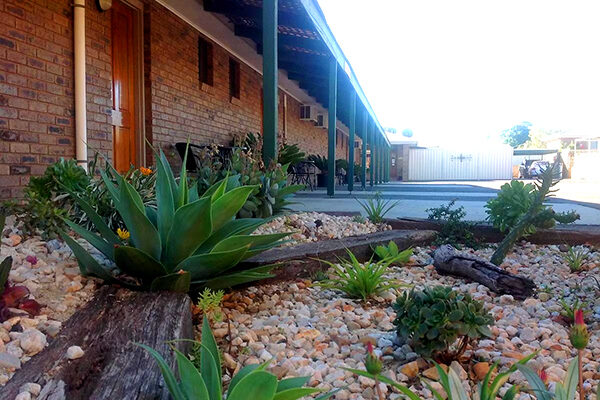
x,y
459,72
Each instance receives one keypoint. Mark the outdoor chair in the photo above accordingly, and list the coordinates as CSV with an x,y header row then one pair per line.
x,y
304,173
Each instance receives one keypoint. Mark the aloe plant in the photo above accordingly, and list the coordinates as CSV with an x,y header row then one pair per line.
x,y
186,239
251,382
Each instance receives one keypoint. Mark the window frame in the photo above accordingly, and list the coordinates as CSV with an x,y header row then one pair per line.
x,y
205,62
235,84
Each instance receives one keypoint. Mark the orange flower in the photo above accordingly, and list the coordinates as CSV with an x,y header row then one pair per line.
x,y
145,171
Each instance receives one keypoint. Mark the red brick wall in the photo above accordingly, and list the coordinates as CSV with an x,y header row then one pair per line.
x,y
36,89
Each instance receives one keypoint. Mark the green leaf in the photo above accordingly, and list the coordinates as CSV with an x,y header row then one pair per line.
x,y
242,373
138,264
144,235
175,282
182,192
254,241
226,206
205,266
537,385
295,393
258,385
210,362
87,264
192,225
192,384
291,383
167,374
5,267
170,176
164,201
238,278
457,391
511,393
96,219
102,245
242,226
572,378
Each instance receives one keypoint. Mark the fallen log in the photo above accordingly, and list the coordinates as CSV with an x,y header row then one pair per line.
x,y
448,261
112,366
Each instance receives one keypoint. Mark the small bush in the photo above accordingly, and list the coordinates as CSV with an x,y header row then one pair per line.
x,y
376,207
575,258
440,322
358,280
393,254
454,230
513,200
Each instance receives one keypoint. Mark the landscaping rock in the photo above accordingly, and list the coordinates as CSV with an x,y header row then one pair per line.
x,y
74,352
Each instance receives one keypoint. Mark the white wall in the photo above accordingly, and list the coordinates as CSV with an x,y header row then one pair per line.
x,y
446,164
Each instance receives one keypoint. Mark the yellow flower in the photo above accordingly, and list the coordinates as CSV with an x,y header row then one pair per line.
x,y
123,233
145,171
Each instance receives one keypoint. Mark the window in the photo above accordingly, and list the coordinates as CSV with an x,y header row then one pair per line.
x,y
234,78
594,145
581,145
205,61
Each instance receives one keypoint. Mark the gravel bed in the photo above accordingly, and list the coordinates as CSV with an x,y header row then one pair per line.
x,y
314,226
311,331
54,281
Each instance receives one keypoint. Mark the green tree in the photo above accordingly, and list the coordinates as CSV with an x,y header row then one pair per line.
x,y
518,134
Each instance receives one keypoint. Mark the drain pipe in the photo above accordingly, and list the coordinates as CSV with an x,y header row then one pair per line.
x,y
81,153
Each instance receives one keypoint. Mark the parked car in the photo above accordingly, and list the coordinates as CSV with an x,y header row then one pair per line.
x,y
532,168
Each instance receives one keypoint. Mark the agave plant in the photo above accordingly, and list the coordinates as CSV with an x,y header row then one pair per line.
x,y
186,239
251,382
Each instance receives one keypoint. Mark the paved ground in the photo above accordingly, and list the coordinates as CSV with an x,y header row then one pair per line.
x,y
415,198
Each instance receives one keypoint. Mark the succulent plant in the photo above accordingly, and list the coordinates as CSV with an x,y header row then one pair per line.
x,y
186,239
391,252
434,319
13,296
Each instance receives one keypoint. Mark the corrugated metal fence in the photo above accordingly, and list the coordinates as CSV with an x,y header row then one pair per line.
x,y
444,164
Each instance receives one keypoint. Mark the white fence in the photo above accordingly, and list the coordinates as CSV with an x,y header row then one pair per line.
x,y
445,165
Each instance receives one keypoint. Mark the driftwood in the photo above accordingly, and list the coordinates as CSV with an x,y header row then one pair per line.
x,y
112,367
448,261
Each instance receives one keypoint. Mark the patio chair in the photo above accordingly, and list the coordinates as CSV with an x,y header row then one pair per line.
x,y
304,173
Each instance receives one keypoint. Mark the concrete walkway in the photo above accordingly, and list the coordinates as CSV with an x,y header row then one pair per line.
x,y
415,198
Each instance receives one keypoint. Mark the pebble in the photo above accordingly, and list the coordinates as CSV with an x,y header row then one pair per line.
x,y
32,341
23,396
74,352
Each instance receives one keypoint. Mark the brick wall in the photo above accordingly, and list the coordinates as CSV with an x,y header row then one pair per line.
x,y
36,90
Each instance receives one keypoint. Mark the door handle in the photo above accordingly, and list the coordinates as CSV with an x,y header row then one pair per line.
x,y
116,117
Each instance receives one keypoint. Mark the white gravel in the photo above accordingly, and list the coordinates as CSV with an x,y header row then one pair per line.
x,y
310,331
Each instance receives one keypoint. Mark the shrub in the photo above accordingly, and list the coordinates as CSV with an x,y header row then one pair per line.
x,y
454,230
205,382
290,155
376,207
391,252
185,239
575,258
512,202
358,280
434,319
537,215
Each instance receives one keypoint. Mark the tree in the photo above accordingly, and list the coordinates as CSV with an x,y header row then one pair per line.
x,y
517,135
407,132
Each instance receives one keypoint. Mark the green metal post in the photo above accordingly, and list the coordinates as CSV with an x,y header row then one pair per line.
x,y
377,157
351,142
363,158
332,109
270,109
372,148
387,164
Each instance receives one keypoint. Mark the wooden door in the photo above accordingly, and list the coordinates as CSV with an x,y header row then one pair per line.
x,y
124,85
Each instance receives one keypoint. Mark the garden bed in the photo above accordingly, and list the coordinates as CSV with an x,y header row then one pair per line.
x,y
311,331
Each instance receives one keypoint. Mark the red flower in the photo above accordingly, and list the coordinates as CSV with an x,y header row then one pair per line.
x,y
31,259
369,347
543,375
579,317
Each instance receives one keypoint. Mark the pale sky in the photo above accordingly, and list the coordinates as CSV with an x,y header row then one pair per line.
x,y
461,71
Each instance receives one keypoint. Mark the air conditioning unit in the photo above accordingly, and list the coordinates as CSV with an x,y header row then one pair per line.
x,y
321,121
308,113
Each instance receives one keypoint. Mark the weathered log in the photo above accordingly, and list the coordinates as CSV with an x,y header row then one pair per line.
x,y
448,261
304,259
112,366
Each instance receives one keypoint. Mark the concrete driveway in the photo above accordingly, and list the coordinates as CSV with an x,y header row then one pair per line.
x,y
414,198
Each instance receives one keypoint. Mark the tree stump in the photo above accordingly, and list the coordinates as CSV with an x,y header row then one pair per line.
x,y
112,366
448,261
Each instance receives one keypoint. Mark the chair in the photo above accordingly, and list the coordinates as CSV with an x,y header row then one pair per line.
x,y
194,158
304,173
